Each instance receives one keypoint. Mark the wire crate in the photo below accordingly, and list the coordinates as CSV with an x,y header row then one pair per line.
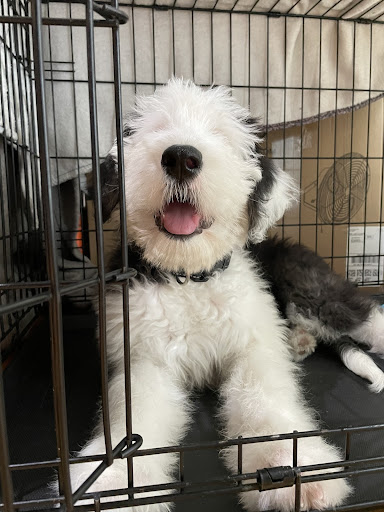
x,y
19,192
310,68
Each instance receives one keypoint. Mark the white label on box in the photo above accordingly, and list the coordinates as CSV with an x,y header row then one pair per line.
x,y
365,254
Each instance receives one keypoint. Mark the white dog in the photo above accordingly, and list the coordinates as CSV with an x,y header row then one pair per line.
x,y
195,196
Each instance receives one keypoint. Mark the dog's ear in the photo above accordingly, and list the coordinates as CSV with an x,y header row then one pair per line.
x,y
271,197
109,184
109,178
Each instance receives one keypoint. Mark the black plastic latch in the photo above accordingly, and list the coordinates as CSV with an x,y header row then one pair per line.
x,y
274,478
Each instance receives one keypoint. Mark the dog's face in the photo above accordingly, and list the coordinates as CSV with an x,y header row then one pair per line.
x,y
191,174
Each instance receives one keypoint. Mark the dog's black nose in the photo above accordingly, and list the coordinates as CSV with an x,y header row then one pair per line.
x,y
182,162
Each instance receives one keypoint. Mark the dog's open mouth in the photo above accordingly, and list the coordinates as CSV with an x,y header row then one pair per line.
x,y
181,219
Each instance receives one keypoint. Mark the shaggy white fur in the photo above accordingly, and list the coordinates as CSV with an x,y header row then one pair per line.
x,y
214,123
183,335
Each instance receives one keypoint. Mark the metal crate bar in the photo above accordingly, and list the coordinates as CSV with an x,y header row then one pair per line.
x,y
123,238
55,300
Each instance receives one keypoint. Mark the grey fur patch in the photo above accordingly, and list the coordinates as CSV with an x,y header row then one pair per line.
x,y
300,277
110,189
262,191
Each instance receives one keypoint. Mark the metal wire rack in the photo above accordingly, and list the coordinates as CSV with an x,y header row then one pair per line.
x,y
68,72
18,177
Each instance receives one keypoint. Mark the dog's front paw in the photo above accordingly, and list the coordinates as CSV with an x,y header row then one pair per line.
x,y
314,495
115,478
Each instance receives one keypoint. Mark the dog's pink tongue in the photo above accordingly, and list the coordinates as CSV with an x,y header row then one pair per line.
x,y
180,218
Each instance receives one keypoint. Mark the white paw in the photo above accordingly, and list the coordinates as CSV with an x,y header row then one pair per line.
x,y
302,343
115,477
314,495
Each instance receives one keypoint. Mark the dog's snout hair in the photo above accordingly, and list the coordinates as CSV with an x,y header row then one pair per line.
x,y
191,160
182,162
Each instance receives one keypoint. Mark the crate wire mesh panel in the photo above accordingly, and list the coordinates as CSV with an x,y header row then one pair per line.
x,y
318,60
19,191
311,70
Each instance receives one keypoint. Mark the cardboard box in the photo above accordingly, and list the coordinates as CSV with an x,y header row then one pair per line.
x,y
338,163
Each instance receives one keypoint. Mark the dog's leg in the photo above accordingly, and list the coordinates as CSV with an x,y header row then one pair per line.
x,y
160,416
356,316
262,397
360,363
365,327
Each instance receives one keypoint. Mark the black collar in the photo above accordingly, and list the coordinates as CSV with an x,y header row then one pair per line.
x,y
146,270
203,277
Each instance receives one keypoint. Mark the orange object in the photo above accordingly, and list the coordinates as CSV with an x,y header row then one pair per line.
x,y
79,237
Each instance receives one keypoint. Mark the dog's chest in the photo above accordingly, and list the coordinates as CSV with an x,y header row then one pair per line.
x,y
198,327
178,315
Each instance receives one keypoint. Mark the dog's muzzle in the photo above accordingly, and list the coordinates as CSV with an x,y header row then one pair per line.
x,y
180,218
182,162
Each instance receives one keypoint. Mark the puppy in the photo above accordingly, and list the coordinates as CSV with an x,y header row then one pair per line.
x,y
200,311
321,305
